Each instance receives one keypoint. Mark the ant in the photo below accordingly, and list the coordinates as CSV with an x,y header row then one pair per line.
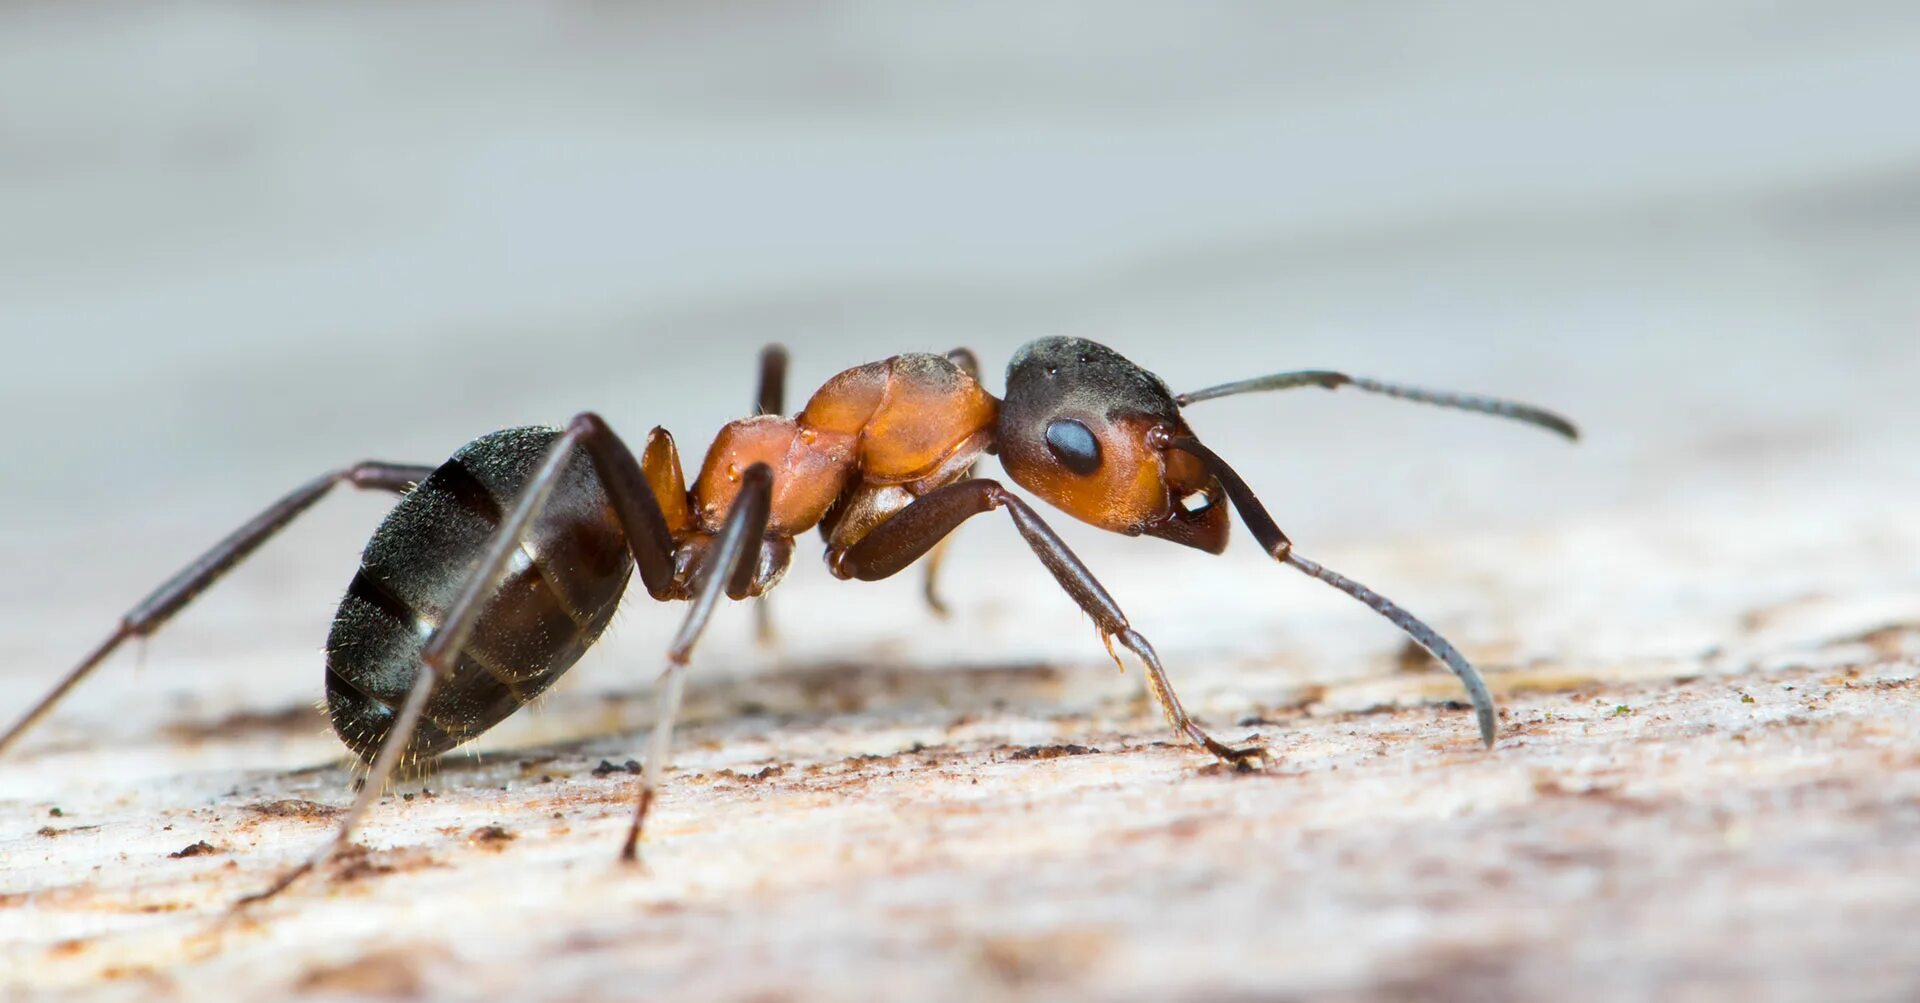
x,y
497,569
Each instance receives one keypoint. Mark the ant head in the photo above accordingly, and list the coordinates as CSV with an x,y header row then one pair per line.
x,y
1086,430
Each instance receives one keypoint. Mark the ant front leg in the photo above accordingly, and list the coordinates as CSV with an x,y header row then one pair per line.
x,y
914,530
155,610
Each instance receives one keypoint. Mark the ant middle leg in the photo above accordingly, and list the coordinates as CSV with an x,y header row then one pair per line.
x,y
151,613
770,398
930,585
914,530
727,568
969,363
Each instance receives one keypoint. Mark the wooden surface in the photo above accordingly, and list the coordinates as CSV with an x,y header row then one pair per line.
x,y
248,243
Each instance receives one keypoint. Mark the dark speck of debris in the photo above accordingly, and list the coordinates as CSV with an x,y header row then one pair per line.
x,y
55,813
1746,698
1241,766
606,768
761,775
1622,710
1051,751
200,849
491,837
356,862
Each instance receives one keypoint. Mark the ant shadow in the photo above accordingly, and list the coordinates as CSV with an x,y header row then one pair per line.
x,y
841,696
806,698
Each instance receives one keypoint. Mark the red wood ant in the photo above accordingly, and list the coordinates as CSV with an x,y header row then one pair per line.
x,y
497,569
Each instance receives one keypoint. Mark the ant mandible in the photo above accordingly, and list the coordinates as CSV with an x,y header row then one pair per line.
x,y
498,569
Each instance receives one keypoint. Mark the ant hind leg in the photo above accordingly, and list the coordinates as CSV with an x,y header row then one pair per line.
x,y
151,613
651,547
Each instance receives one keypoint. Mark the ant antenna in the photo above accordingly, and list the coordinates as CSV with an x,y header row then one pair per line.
x,y
1281,549
1423,635
1537,416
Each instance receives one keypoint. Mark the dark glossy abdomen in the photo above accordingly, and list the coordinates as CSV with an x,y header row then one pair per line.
x,y
559,594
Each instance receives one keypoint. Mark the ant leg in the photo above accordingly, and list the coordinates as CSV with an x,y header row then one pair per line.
x,y
728,567
969,364
648,539
770,399
772,395
155,610
1278,547
931,587
901,540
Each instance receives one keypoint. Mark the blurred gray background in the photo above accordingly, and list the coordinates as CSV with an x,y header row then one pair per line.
x,y
241,243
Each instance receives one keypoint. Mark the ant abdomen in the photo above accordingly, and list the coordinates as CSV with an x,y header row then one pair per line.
x,y
559,594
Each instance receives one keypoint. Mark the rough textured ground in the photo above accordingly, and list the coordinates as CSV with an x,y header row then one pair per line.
x,y
246,243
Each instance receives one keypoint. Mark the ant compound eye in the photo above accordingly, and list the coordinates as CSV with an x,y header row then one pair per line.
x,y
1074,446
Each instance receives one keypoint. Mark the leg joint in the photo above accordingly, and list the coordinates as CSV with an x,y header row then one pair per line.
x,y
587,424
